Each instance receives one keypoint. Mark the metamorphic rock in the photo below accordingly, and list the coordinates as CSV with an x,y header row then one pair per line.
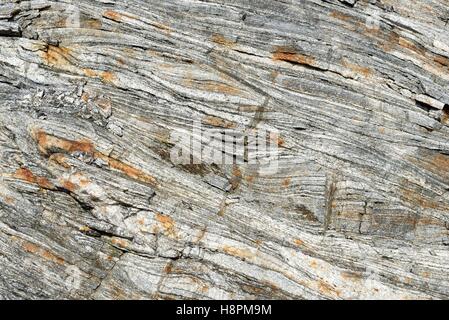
x,y
224,149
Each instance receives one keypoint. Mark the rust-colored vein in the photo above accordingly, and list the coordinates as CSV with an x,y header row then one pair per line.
x,y
340,16
168,224
218,122
25,174
364,71
56,56
43,253
117,16
289,55
222,40
128,170
49,145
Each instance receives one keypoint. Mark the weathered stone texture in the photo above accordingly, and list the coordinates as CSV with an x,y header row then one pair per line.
x,y
92,207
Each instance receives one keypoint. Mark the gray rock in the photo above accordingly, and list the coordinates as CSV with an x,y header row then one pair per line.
x,y
352,203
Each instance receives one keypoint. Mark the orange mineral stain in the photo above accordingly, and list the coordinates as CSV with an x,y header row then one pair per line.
x,y
289,55
113,15
221,40
49,143
90,73
108,76
340,16
218,122
54,146
128,170
286,182
25,174
364,71
168,224
56,56
327,289
119,242
43,253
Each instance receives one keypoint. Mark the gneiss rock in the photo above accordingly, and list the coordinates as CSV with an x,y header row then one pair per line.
x,y
352,98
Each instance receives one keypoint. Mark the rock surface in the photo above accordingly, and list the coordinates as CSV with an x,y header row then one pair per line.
x,y
92,205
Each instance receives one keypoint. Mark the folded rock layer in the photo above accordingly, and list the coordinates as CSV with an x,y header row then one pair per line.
x,y
95,205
